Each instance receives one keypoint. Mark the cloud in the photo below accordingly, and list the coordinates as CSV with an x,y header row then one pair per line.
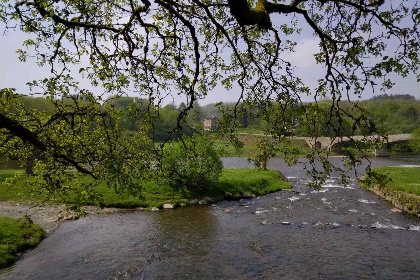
x,y
303,56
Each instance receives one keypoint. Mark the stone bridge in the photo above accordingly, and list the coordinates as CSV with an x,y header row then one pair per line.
x,y
330,144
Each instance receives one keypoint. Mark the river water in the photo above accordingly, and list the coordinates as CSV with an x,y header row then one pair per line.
x,y
334,233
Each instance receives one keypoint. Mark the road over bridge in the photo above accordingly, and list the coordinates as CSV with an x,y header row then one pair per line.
x,y
331,143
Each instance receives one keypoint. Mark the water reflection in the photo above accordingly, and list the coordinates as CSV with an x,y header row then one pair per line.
x,y
192,230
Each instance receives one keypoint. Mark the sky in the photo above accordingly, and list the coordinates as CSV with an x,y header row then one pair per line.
x,y
15,74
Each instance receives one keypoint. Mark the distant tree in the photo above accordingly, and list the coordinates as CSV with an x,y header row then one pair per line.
x,y
415,141
195,115
393,97
171,107
182,107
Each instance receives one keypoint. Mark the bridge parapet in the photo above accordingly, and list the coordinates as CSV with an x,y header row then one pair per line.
x,y
328,143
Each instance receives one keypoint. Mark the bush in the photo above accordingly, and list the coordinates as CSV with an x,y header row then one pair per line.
x,y
192,164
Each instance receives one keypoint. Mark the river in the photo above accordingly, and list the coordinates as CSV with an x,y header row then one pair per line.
x,y
334,233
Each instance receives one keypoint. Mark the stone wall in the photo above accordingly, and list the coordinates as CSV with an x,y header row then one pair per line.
x,y
407,202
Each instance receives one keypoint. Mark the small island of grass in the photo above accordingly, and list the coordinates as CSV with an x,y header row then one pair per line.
x,y
235,181
17,236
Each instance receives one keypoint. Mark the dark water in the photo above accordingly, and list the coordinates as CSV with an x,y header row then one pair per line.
x,y
336,233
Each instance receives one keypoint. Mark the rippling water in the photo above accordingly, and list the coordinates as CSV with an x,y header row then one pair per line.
x,y
334,233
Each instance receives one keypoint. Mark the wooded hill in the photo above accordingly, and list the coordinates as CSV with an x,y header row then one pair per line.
x,y
392,114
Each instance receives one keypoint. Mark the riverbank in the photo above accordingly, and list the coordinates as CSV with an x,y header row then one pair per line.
x,y
243,182
403,190
17,201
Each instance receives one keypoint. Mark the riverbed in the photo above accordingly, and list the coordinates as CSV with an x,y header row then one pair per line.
x,y
334,233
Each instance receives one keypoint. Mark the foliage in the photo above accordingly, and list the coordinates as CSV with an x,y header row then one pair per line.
x,y
187,48
17,236
267,149
192,163
80,136
393,97
372,178
394,116
415,141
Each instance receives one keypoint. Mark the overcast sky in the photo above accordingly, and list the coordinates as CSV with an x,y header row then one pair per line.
x,y
15,74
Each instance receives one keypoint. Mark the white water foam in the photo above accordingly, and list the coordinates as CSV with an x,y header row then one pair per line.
x,y
413,227
337,186
386,226
320,191
324,200
366,201
352,210
260,211
293,198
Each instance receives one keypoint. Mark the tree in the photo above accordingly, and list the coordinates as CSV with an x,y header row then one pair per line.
x,y
165,47
415,142
192,165
182,106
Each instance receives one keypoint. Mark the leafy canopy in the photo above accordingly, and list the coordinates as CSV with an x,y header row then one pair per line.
x,y
159,48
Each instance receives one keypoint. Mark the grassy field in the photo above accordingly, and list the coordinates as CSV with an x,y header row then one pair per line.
x,y
403,178
17,236
255,181
250,149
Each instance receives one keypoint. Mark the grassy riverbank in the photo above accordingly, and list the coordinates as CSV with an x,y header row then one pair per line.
x,y
17,236
405,179
235,181
403,190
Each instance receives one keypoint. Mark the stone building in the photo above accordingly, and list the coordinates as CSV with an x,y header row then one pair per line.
x,y
211,123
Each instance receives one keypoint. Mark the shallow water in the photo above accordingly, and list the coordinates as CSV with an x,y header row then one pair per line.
x,y
334,233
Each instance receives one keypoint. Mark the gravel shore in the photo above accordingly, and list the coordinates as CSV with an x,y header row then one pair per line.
x,y
47,215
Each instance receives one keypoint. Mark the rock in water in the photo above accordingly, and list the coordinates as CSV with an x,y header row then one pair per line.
x,y
206,200
247,195
168,206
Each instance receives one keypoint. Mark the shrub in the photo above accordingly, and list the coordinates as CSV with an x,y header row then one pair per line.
x,y
191,164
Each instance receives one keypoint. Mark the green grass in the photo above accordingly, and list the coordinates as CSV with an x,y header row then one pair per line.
x,y
250,149
406,179
17,236
255,181
258,182
7,173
